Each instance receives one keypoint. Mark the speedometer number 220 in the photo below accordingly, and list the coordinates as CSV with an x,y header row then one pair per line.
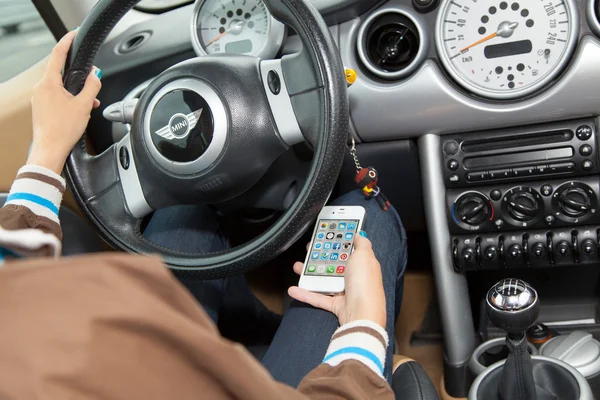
x,y
506,49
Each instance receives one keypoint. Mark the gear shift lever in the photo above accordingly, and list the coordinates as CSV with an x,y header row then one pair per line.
x,y
513,306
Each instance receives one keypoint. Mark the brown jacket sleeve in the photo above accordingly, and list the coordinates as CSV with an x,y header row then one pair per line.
x,y
29,224
122,327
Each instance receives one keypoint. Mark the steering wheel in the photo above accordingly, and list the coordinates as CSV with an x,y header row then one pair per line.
x,y
206,130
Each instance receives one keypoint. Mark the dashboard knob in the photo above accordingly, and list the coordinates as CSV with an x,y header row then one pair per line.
x,y
563,248
523,206
588,246
574,202
539,250
473,209
515,251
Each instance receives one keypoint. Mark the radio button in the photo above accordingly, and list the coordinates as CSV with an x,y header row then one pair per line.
x,y
562,167
587,165
499,174
585,150
584,132
496,194
546,190
541,169
477,176
523,171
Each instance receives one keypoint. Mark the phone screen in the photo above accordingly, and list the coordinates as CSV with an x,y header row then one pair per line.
x,y
331,247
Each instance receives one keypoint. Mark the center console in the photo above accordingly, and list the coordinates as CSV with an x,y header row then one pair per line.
x,y
525,197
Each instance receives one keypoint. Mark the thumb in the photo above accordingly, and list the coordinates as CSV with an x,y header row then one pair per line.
x,y
92,86
361,242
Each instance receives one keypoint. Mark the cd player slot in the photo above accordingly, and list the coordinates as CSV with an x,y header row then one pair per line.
x,y
514,141
529,157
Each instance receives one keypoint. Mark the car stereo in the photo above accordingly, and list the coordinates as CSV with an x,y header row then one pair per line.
x,y
560,149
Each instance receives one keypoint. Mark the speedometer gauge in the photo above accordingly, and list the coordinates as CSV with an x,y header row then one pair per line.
x,y
506,49
235,26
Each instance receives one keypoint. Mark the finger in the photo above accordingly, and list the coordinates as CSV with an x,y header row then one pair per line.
x,y
96,103
314,299
298,267
58,57
307,246
361,243
91,88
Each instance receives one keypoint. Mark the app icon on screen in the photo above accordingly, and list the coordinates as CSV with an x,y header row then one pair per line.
x,y
332,225
342,226
347,246
330,269
323,225
349,236
324,255
330,235
321,269
344,256
312,268
336,246
339,269
334,256
318,245
315,255
321,235
351,226
339,236
327,245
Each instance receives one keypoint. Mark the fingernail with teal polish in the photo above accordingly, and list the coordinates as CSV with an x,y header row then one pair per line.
x,y
363,234
77,27
99,73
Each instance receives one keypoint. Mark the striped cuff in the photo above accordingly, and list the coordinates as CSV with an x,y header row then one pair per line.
x,y
362,340
38,189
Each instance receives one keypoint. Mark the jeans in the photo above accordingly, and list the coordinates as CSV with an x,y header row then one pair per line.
x,y
303,336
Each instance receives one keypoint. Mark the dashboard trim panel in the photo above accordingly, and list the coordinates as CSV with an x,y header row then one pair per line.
x,y
427,103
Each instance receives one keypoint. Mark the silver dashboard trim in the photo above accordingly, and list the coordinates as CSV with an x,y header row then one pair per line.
x,y
135,201
220,123
424,41
269,49
281,105
451,287
571,7
427,102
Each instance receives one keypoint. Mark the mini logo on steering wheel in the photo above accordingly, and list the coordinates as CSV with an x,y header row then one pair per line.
x,y
180,125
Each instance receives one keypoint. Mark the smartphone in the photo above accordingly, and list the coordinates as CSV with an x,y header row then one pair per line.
x,y
330,248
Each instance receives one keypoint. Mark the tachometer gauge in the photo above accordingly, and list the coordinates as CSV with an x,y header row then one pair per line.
x,y
235,26
506,49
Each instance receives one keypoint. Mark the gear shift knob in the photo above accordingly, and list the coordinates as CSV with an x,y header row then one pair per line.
x,y
513,306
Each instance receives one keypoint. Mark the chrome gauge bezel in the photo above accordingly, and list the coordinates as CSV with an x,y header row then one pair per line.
x,y
569,49
269,50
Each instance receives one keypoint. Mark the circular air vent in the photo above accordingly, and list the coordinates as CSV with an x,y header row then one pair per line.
x,y
391,43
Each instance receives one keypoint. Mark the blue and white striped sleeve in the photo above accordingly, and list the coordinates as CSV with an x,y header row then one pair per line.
x,y
29,223
361,340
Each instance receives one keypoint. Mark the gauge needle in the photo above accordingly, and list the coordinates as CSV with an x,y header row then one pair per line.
x,y
217,38
505,29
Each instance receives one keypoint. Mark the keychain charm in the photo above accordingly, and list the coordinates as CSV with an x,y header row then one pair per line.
x,y
366,179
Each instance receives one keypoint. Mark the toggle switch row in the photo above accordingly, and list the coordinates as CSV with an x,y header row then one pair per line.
x,y
532,249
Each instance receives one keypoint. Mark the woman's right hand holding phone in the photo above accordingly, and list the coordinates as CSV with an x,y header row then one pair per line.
x,y
363,299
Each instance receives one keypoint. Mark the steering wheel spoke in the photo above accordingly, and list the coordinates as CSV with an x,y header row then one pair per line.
x,y
134,197
280,102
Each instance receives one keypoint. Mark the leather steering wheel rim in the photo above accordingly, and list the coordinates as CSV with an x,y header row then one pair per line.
x,y
97,193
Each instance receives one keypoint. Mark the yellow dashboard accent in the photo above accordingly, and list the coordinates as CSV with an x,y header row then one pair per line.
x,y
350,76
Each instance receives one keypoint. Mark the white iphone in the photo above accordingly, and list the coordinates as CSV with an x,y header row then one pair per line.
x,y
330,247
